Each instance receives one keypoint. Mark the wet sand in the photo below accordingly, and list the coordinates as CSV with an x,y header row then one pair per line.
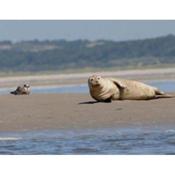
x,y
81,78
72,111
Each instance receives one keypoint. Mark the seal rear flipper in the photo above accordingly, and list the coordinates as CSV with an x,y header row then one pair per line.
x,y
158,92
165,96
13,92
161,94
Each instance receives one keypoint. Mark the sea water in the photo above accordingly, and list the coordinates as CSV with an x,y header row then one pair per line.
x,y
105,141
164,85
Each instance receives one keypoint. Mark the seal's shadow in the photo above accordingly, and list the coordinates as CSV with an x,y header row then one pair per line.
x,y
91,102
88,102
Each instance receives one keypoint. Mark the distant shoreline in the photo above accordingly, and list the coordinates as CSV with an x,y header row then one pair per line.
x,y
81,78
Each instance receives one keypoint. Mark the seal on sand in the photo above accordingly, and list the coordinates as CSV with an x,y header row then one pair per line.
x,y
22,90
108,89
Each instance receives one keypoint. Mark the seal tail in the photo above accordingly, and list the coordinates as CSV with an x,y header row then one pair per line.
x,y
13,92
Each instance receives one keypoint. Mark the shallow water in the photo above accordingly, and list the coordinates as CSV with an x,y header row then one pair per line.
x,y
90,141
164,85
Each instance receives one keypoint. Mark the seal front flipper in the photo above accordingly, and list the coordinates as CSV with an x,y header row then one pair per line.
x,y
108,100
118,83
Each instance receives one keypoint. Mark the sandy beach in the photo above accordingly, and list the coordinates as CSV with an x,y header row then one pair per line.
x,y
70,111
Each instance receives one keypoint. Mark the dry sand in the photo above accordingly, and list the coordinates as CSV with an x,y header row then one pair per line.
x,y
67,111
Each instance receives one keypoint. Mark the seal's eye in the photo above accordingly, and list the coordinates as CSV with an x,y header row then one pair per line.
x,y
91,79
98,78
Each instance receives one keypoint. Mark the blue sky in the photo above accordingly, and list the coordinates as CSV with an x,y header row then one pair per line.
x,y
117,30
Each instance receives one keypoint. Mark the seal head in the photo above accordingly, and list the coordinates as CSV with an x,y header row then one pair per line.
x,y
95,81
102,89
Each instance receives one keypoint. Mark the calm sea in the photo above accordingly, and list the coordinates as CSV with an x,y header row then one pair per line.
x,y
164,85
113,141
130,140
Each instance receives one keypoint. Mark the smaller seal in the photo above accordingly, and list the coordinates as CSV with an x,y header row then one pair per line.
x,y
22,90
